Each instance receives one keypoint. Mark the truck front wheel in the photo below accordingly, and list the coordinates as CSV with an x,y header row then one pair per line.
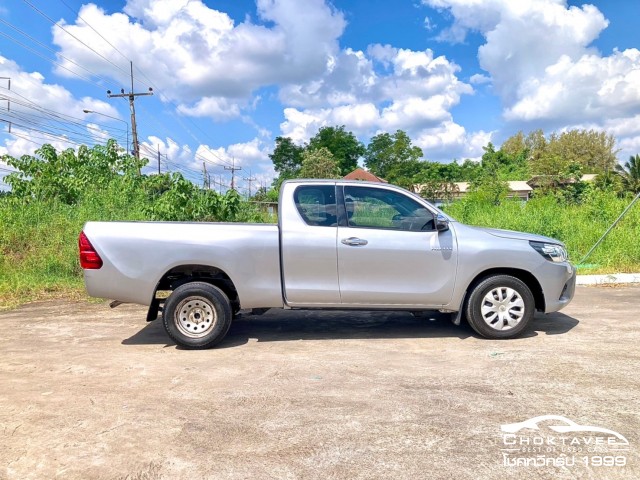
x,y
500,306
197,315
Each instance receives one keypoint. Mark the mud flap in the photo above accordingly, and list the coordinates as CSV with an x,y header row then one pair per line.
x,y
456,317
154,308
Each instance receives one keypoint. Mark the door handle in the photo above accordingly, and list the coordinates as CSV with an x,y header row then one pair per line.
x,y
354,241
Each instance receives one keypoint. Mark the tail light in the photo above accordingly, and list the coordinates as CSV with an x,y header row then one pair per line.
x,y
89,258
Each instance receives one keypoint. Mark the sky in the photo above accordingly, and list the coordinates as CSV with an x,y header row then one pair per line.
x,y
230,76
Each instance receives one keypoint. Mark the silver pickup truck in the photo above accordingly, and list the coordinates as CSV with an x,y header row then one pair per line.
x,y
337,245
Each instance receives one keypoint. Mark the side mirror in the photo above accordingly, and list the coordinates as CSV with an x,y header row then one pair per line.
x,y
442,224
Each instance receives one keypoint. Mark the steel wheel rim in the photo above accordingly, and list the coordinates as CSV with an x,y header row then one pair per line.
x,y
195,317
502,308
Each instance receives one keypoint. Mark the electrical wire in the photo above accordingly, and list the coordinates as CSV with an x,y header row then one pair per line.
x,y
96,31
43,45
47,59
33,115
73,36
70,135
220,161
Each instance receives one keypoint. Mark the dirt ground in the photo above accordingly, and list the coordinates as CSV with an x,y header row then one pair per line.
x,y
87,392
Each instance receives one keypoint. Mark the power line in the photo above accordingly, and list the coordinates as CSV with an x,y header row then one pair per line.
x,y
222,162
27,103
20,121
47,59
202,144
132,98
250,179
149,81
72,35
38,42
91,27
233,169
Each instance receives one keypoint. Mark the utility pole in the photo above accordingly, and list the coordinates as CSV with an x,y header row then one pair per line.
x,y
233,169
132,97
207,178
158,159
250,179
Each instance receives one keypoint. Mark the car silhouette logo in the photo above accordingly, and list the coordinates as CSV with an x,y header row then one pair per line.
x,y
566,426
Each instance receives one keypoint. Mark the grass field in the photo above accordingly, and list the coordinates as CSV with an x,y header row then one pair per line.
x,y
38,240
578,226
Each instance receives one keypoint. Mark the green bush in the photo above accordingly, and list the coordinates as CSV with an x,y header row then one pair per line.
x,y
54,194
579,226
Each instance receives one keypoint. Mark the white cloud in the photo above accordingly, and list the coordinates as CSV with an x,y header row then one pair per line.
x,y
428,24
218,108
212,66
589,88
451,141
541,61
26,142
197,54
384,89
479,79
39,111
252,157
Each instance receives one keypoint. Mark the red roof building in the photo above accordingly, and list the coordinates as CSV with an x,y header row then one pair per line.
x,y
361,174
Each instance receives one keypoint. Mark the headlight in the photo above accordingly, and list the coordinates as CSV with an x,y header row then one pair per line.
x,y
551,251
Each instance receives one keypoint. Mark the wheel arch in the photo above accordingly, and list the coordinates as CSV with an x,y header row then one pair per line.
x,y
526,277
182,274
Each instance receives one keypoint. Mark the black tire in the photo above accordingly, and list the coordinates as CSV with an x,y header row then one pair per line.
x,y
197,315
500,306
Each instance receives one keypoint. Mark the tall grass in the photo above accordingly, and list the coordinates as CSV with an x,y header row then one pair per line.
x,y
38,241
578,226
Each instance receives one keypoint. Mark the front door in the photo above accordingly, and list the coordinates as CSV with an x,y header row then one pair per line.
x,y
390,252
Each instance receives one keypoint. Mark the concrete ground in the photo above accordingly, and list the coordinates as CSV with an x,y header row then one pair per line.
x,y
93,393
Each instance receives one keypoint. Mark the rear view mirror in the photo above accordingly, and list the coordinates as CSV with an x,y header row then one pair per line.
x,y
442,223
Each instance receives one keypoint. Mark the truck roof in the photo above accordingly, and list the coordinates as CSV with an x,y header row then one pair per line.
x,y
340,181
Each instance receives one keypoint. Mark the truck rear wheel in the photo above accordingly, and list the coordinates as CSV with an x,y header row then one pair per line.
x,y
197,315
500,306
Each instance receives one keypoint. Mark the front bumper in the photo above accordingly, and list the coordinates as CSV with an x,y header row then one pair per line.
x,y
558,286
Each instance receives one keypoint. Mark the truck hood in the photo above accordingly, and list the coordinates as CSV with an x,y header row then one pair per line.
x,y
519,235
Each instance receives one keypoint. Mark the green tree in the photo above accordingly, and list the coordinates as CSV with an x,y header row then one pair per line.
x,y
65,175
515,144
468,171
630,173
319,163
504,165
593,150
574,188
286,158
609,182
434,190
343,145
385,153
407,173
488,189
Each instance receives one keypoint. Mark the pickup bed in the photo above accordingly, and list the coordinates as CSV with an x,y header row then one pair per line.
x,y
337,245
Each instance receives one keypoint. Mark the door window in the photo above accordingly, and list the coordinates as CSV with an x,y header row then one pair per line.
x,y
380,208
316,204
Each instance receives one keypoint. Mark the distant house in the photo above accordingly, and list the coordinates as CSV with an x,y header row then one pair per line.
x,y
362,174
517,189
555,181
